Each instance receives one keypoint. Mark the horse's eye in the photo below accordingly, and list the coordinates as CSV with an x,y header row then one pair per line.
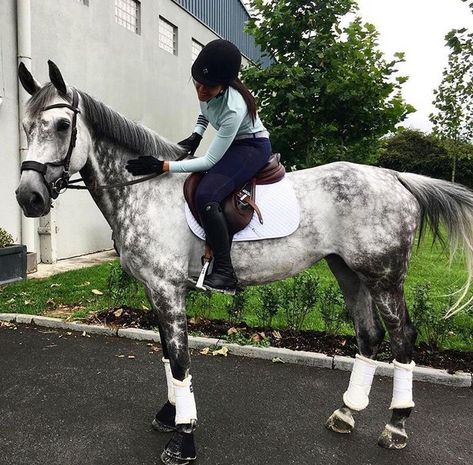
x,y
63,124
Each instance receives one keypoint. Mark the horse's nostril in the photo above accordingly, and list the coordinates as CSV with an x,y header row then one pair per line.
x,y
36,200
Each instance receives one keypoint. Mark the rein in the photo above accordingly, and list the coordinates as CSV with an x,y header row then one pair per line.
x,y
64,182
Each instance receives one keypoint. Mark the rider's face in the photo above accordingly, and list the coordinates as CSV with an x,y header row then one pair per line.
x,y
205,93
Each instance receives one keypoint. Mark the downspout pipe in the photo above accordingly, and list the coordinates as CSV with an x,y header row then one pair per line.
x,y
23,19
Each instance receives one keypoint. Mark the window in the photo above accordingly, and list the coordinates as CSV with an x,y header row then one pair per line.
x,y
196,48
127,14
167,36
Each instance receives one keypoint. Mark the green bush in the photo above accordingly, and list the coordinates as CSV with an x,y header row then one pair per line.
x,y
333,310
236,309
5,238
200,303
121,287
298,298
267,309
416,152
428,319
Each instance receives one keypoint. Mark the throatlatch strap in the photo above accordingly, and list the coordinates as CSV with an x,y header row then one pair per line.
x,y
402,385
356,396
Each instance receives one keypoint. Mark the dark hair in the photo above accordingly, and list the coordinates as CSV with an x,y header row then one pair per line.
x,y
247,97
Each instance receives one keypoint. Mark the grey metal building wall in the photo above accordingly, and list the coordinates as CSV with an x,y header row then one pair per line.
x,y
227,18
121,68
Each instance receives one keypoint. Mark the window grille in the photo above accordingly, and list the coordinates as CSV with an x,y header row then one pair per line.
x,y
167,36
127,14
196,48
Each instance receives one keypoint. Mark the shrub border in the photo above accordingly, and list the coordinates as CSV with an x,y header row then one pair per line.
x,y
424,374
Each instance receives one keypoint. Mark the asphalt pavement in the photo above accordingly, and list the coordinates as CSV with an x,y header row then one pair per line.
x,y
69,399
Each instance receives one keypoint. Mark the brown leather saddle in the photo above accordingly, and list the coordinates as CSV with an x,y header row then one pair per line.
x,y
240,205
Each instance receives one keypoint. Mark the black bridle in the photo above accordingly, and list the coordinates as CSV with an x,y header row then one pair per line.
x,y
64,182
59,185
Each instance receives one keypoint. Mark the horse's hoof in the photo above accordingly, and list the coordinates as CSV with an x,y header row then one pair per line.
x,y
164,420
393,438
341,421
180,450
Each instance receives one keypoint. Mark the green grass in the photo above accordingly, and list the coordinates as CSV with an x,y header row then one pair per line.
x,y
40,296
75,288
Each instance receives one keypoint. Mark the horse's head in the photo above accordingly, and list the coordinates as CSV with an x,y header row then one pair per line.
x,y
58,142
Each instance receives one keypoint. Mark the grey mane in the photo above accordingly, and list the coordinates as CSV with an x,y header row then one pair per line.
x,y
107,123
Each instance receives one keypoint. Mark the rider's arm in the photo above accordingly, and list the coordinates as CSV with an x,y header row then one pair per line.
x,y
201,125
230,124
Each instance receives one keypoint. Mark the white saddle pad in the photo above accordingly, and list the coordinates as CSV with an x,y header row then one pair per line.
x,y
279,208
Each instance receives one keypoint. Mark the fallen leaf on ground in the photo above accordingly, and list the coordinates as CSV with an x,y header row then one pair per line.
x,y
97,292
144,307
256,337
276,334
27,302
55,285
10,301
118,313
232,330
131,356
6,324
223,351
205,351
278,360
120,356
50,302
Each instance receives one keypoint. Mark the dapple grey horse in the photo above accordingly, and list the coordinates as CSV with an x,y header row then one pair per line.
x,y
361,219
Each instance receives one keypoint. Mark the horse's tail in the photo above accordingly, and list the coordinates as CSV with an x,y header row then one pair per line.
x,y
444,202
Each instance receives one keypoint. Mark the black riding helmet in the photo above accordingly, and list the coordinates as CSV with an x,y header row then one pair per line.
x,y
218,63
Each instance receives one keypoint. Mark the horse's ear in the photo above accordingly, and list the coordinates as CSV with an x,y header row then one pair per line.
x,y
28,82
56,79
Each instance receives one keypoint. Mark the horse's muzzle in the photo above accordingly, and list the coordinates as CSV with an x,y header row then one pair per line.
x,y
34,202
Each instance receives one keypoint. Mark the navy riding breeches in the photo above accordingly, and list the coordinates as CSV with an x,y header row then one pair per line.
x,y
243,159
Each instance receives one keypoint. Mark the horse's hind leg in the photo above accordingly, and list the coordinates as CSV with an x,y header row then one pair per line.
x,y
369,335
169,304
392,307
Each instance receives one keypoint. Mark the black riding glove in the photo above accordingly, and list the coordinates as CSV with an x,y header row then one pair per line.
x,y
191,143
144,165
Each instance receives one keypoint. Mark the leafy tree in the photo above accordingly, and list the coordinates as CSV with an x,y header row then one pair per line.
x,y
453,117
416,152
328,93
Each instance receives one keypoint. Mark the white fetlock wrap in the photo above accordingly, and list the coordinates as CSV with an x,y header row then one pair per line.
x,y
186,411
356,396
402,385
171,393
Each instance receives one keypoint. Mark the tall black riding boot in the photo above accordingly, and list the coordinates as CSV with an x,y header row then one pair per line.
x,y
222,278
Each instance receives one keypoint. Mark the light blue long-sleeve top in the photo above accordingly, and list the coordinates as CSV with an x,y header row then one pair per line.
x,y
228,114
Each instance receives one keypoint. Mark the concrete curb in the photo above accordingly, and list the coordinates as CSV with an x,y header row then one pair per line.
x,y
423,374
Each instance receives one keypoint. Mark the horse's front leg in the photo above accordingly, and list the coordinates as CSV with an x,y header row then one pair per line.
x,y
169,303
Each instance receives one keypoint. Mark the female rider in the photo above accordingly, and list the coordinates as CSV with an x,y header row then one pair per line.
x,y
239,150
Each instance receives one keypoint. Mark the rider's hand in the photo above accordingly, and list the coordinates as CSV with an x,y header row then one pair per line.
x,y
145,165
191,143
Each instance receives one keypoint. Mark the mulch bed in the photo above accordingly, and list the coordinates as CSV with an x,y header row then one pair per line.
x,y
311,341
